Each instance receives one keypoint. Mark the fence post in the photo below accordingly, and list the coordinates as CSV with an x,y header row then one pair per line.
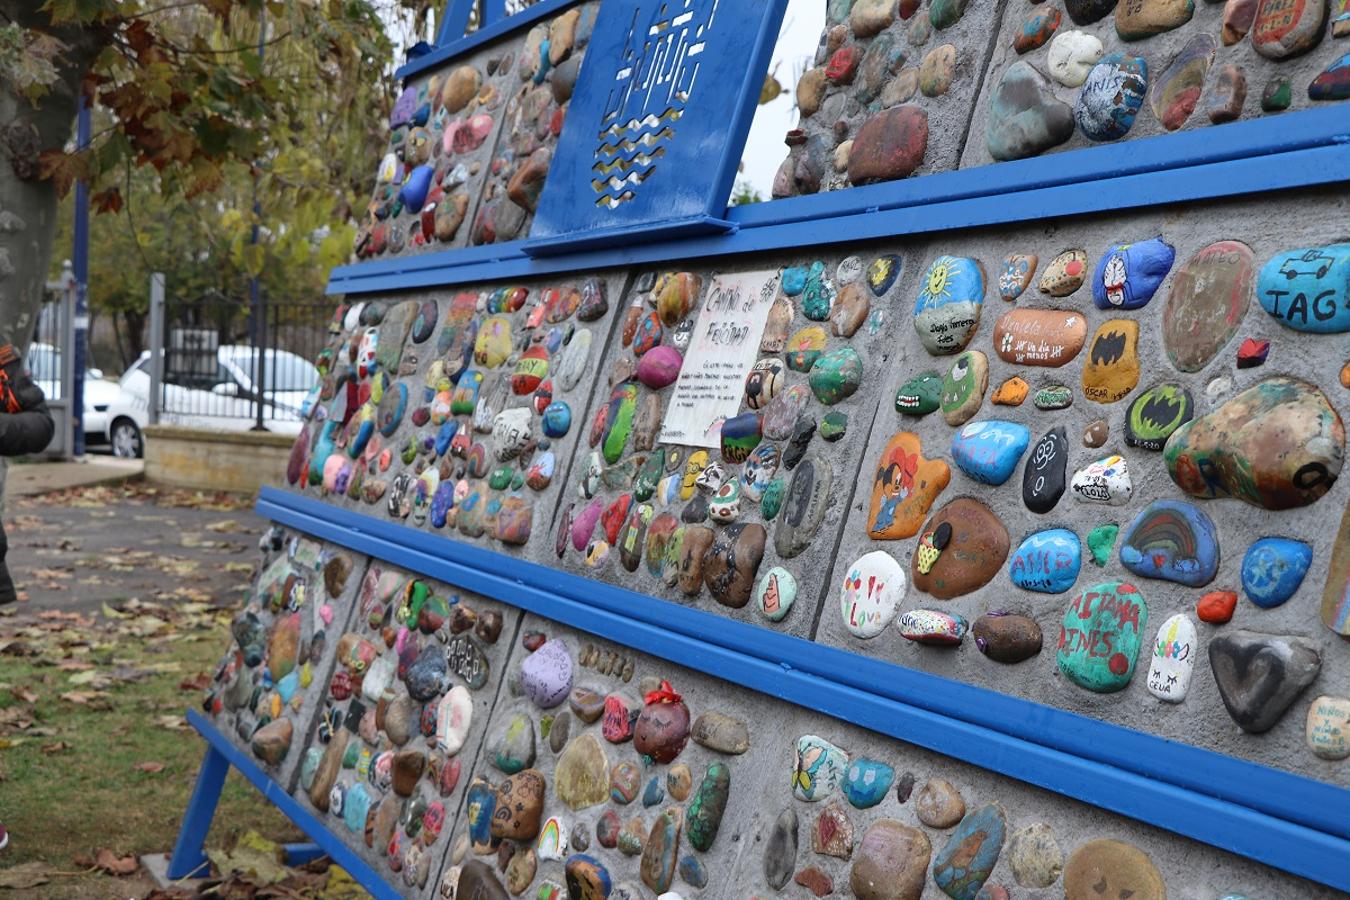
x,y
156,345
259,356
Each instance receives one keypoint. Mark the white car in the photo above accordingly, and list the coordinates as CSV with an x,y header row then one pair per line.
x,y
111,415
221,399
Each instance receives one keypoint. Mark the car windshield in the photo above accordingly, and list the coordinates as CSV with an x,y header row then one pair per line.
x,y
285,370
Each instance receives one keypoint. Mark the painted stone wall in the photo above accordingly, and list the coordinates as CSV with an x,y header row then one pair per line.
x,y
911,88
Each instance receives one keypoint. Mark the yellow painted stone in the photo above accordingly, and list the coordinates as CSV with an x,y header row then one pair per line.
x,y
698,461
1011,392
1112,368
1064,274
493,345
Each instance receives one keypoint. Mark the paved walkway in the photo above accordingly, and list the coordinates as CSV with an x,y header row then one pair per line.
x,y
31,478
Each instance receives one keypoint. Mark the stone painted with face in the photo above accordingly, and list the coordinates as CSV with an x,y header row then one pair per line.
x,y
1128,275
904,488
1173,661
766,378
950,300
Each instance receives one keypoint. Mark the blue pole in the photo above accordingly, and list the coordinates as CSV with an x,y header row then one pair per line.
x,y
254,300
81,260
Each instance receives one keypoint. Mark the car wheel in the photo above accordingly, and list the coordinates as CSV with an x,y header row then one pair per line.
x,y
126,440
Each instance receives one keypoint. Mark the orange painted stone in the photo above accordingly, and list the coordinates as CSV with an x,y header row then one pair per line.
x,y
1216,607
1011,392
1039,337
1112,369
904,488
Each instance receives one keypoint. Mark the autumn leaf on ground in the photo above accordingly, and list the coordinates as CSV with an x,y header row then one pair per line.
x,y
27,875
173,723
224,526
199,682
152,768
113,864
57,747
23,695
85,698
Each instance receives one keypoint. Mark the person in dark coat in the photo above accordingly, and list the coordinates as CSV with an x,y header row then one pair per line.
x,y
25,427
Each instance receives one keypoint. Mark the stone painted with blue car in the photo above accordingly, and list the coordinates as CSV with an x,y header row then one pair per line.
x,y
1273,569
1308,289
1128,275
866,782
1047,562
988,451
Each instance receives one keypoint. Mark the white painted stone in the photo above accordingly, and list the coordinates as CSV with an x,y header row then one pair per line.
x,y
1173,659
1105,481
378,678
454,714
1071,56
1328,729
572,364
871,593
510,432
850,269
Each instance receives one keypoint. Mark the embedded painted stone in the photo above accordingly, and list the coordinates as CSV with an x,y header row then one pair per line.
x,y
556,419
1260,675
1145,18
833,426
1112,369
966,862
675,293
572,364
1105,481
659,367
891,862
1173,661
1047,561
1064,274
1207,302
587,878
546,675
1016,272
1277,95
1174,541
725,504
889,145
1277,445
931,626
1105,868
1025,118
1308,290
775,594
882,273
920,395
832,833
1175,92
988,451
1228,96
1128,275
519,807
1007,638
780,850
649,334
1282,29
904,488
818,769
867,782
619,421
454,715
661,851
708,806
1216,607
1052,397
1334,81
1100,540
759,469
721,733
963,387
1273,569
766,378
850,310
871,593
1327,730
1072,55
1039,337
1156,413
975,551
740,435
1111,96
836,375
1336,593
808,497
514,748
1012,392
1036,28
697,541
1252,353
1100,634
805,347
623,782
731,563
581,778
948,309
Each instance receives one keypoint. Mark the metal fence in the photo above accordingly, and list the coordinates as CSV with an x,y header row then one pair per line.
x,y
217,363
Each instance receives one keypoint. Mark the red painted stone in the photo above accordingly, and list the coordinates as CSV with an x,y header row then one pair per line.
x,y
843,65
1216,607
889,145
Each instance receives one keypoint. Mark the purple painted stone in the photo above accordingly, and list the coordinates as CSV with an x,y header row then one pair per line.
x,y
659,366
584,524
546,675
404,108
441,503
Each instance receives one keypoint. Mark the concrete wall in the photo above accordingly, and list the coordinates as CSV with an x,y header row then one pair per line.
x,y
215,460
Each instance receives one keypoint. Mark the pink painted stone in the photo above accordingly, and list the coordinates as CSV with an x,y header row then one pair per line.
x,y
1238,16
659,367
584,524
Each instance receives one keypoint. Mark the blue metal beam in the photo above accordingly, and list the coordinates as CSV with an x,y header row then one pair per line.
x,y
1284,820
452,41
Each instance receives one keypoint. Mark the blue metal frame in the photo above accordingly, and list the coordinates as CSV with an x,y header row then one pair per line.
x,y
1283,820
1302,149
188,859
451,40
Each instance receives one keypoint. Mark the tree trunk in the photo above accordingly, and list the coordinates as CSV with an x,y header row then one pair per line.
x,y
28,205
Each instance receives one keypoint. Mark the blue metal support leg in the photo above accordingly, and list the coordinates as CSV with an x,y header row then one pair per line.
x,y
188,860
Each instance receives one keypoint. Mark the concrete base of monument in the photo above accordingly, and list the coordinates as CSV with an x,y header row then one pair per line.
x,y
215,460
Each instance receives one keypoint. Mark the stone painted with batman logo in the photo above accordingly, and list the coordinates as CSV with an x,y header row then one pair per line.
x,y
1156,413
1112,369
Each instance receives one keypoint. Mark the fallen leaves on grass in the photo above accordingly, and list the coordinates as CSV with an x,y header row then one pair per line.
x,y
58,747
23,695
108,862
28,875
254,856
152,768
173,723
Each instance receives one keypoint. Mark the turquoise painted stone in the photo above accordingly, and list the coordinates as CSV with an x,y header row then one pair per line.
x,y
309,766
948,310
355,807
772,500
1047,562
965,863
1100,540
740,435
794,280
557,419
1174,541
619,421
920,395
1308,290
1111,96
836,375
1100,634
775,594
817,294
480,805
819,767
1273,569
988,451
708,805
866,782
1128,275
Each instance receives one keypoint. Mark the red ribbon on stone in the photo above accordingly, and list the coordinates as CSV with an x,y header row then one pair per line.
x,y
664,694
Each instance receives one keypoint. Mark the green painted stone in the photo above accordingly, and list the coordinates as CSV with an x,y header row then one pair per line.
x,y
946,13
836,375
620,477
619,420
710,802
514,750
920,395
833,426
409,451
1056,396
1100,541
650,474
351,755
772,499
1277,96
500,478
1100,634
517,480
